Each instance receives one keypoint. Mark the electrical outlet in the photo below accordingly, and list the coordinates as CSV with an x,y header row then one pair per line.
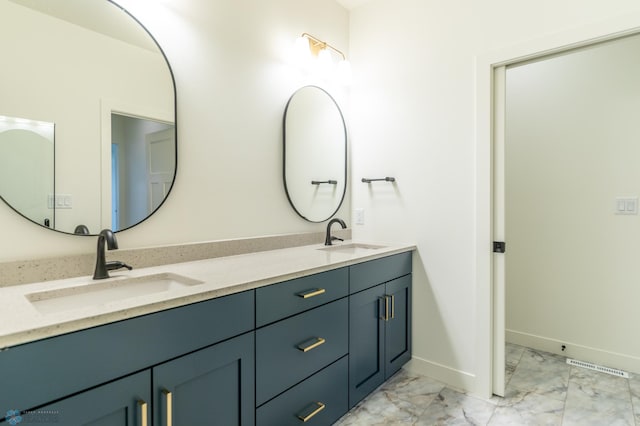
x,y
359,216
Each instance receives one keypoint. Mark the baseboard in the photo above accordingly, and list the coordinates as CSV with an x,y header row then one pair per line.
x,y
449,376
575,351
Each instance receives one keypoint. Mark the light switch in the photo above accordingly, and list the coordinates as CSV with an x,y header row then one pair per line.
x,y
359,216
60,201
627,205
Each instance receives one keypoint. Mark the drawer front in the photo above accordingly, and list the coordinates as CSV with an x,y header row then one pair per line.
x,y
281,359
368,274
322,399
83,359
282,300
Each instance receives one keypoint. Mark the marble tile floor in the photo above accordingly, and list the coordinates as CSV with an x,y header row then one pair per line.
x,y
542,389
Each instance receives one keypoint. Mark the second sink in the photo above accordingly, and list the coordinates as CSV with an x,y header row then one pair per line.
x,y
92,294
351,248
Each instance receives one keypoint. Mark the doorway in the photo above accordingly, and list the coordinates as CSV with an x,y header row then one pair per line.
x,y
560,168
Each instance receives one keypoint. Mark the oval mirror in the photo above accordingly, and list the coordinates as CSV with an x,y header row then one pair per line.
x,y
315,154
87,116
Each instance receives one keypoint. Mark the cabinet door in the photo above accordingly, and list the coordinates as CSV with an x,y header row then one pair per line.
x,y
366,343
213,386
125,402
398,325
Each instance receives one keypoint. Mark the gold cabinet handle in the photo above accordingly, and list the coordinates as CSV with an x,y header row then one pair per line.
x,y
316,407
143,413
169,404
382,314
311,293
306,346
393,306
386,308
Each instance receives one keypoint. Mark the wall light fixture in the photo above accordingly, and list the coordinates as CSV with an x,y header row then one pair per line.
x,y
317,53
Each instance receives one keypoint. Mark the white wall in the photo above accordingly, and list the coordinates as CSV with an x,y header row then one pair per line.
x,y
233,76
572,134
413,117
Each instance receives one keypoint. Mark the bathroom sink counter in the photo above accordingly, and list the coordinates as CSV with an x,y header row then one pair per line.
x,y
21,322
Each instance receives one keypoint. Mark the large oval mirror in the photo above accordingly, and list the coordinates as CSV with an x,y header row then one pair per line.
x,y
87,115
315,154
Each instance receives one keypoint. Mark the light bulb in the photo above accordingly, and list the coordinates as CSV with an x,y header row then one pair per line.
x,y
344,72
325,66
302,52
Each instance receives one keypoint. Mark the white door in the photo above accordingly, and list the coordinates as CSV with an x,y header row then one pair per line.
x,y
499,361
160,165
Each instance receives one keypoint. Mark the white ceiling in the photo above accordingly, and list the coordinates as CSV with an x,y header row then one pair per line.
x,y
351,4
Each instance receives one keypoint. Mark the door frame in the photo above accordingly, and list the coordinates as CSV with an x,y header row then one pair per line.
x,y
490,304
108,107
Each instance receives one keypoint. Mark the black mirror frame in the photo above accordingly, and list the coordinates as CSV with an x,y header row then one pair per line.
x,y
284,155
175,124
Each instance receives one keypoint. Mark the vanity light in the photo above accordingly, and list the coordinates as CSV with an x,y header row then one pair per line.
x,y
307,47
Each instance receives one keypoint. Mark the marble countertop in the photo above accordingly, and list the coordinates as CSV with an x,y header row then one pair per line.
x,y
21,321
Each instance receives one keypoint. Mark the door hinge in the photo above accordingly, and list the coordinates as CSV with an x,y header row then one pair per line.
x,y
499,246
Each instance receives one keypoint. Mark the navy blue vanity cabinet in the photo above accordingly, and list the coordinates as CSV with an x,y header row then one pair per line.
x,y
124,402
379,322
213,386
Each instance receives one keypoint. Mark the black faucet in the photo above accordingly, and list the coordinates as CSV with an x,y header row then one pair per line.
x,y
328,239
102,266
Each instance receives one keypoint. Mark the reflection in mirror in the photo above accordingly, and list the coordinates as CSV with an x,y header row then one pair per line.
x,y
315,154
75,63
26,156
142,163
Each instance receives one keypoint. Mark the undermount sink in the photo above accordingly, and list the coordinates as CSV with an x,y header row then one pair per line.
x,y
351,248
98,293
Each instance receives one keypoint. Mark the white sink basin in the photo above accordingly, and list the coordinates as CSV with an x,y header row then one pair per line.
x,y
351,248
101,292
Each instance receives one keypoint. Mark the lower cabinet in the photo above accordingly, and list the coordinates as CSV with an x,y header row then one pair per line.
x,y
124,402
213,386
379,335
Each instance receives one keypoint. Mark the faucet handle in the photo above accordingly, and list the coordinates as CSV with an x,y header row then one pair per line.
x,y
116,264
336,239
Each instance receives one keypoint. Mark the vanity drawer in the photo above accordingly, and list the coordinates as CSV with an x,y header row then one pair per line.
x,y
327,389
282,300
368,274
281,359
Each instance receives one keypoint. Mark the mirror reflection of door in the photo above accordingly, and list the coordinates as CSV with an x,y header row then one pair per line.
x,y
160,165
145,167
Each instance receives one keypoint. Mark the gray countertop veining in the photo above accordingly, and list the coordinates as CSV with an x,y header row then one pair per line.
x,y
21,322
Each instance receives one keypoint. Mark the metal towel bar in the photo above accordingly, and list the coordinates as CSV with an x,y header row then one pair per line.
x,y
386,179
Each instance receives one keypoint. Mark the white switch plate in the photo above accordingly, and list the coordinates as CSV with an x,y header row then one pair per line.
x,y
62,201
626,205
359,216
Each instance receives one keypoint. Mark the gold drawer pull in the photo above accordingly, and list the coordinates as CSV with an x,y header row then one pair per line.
x,y
169,401
310,293
315,408
393,306
307,346
143,413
